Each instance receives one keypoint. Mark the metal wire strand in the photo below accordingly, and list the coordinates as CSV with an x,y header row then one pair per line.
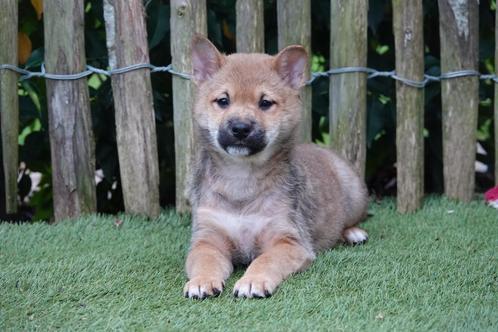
x,y
370,72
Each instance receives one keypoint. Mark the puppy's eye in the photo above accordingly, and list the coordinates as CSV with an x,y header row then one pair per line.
x,y
223,102
265,104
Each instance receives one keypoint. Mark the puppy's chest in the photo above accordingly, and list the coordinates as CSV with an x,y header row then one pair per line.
x,y
245,231
245,207
234,187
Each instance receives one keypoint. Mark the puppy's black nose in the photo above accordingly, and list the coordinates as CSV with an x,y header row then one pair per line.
x,y
240,129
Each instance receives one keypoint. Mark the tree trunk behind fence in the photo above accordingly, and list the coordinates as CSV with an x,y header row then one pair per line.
x,y
135,121
250,33
9,103
408,37
294,27
71,138
187,18
459,50
348,92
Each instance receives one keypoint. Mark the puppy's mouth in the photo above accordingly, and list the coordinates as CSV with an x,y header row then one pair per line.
x,y
238,150
242,147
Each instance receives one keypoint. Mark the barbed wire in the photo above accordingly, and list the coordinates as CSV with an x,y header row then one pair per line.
x,y
371,73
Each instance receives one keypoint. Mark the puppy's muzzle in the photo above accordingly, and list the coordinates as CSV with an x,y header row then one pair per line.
x,y
239,129
241,137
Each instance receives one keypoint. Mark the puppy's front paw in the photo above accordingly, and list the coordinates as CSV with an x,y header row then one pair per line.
x,y
254,287
202,287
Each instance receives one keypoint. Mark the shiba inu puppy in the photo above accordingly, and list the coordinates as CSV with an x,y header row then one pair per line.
x,y
257,196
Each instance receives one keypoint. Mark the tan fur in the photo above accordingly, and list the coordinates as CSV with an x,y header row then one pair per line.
x,y
275,209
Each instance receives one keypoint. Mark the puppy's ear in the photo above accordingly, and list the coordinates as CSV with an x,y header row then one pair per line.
x,y
291,64
206,60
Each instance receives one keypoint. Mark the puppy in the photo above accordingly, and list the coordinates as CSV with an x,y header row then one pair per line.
x,y
259,198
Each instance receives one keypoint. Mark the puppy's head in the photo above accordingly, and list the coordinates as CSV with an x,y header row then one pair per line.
x,y
247,105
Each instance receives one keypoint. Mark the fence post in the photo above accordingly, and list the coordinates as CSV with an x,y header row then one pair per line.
x,y
187,18
409,42
496,98
71,137
135,121
250,27
294,27
348,92
458,28
9,104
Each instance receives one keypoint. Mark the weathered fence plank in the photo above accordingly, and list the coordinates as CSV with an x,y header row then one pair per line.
x,y
348,92
9,103
294,27
458,28
71,137
409,43
187,18
250,27
135,121
496,98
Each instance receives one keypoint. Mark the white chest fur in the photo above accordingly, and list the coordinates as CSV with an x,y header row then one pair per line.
x,y
235,182
243,230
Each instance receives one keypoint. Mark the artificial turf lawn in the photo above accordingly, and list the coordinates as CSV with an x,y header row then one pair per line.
x,y
433,270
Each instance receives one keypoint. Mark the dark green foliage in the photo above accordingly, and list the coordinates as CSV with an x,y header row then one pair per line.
x,y
221,27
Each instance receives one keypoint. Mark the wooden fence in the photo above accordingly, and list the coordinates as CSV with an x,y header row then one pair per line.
x,y
72,146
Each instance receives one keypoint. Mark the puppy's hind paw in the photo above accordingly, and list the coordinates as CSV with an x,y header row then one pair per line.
x,y
199,288
355,235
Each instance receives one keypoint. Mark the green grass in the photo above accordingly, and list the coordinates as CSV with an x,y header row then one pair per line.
x,y
433,270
